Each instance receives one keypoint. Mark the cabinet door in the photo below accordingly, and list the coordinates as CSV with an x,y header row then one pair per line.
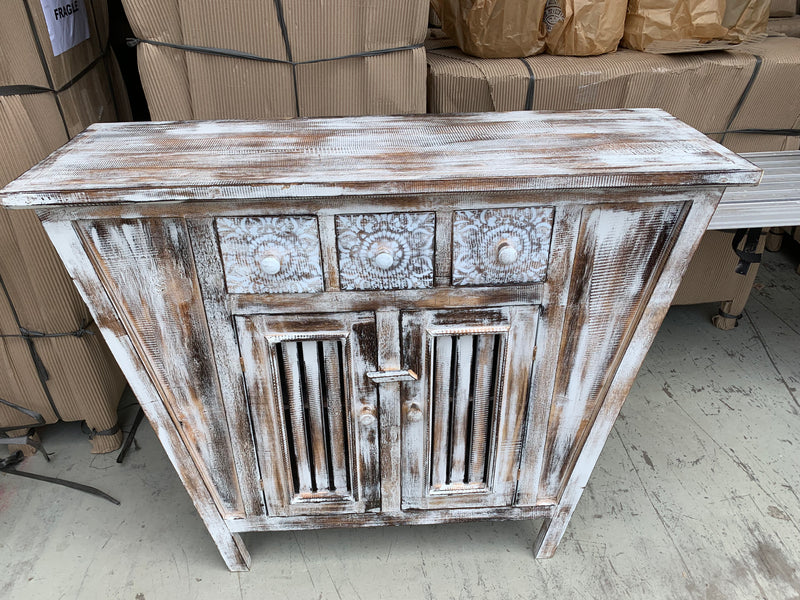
x,y
314,410
462,420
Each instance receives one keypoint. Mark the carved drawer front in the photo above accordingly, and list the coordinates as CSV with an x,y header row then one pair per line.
x,y
463,419
391,251
501,245
315,409
270,254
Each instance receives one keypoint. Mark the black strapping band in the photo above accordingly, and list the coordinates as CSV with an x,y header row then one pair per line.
x,y
246,56
781,132
747,255
29,334
26,90
38,418
93,433
531,86
289,57
745,93
41,370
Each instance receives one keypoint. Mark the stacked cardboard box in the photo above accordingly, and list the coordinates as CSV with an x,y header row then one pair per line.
x,y
206,60
782,8
789,26
47,96
704,90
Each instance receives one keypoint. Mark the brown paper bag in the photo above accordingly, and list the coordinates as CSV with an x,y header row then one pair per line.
x,y
494,28
745,18
584,27
667,26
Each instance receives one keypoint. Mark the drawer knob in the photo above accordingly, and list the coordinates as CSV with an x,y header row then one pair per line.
x,y
367,416
384,258
506,253
271,264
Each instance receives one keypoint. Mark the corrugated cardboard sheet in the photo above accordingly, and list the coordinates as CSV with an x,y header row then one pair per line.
x,y
789,26
70,378
187,84
701,89
782,8
711,276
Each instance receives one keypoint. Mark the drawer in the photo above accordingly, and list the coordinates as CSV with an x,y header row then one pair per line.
x,y
389,251
269,255
497,246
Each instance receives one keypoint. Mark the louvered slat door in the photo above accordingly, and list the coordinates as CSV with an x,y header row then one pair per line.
x,y
463,419
314,410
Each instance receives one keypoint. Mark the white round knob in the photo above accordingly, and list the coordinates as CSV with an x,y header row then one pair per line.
x,y
367,416
384,259
506,253
271,264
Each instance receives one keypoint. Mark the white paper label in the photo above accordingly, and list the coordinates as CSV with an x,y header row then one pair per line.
x,y
67,23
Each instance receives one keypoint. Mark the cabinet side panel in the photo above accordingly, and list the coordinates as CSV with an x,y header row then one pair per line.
x,y
620,252
147,267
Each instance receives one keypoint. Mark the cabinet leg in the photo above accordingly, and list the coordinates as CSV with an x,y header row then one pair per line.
x,y
550,534
232,549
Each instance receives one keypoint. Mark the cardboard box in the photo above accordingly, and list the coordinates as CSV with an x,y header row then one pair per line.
x,y
789,26
630,79
187,84
782,8
44,100
711,277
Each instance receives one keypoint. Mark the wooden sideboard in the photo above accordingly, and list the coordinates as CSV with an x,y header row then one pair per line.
x,y
381,320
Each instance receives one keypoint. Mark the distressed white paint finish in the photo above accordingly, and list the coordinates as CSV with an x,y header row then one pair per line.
x,y
609,285
386,251
535,427
501,245
87,280
270,254
139,162
663,290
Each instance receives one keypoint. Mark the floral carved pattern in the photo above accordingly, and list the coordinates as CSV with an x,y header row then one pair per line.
x,y
251,245
404,240
479,237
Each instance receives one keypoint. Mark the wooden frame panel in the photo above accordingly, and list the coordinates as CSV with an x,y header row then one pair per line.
x,y
438,346
306,419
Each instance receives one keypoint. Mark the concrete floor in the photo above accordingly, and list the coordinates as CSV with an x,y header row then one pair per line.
x,y
696,495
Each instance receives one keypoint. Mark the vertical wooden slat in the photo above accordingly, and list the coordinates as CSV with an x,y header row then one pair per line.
x,y
388,327
336,414
294,393
226,352
415,410
460,430
361,347
316,419
442,384
484,367
566,226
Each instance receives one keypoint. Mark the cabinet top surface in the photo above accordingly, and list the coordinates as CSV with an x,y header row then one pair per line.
x,y
355,156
